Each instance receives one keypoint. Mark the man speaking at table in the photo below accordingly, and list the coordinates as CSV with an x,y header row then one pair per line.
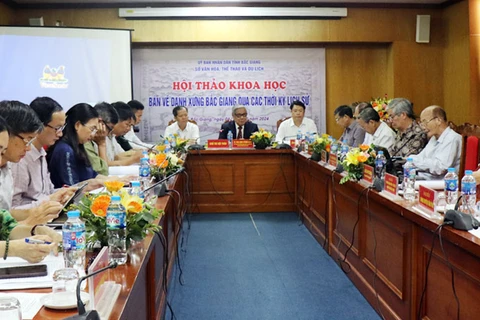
x,y
443,149
240,126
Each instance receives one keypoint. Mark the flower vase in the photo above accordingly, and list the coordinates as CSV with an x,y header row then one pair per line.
x,y
260,145
315,156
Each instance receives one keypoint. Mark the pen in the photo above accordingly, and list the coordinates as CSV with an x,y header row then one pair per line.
x,y
36,241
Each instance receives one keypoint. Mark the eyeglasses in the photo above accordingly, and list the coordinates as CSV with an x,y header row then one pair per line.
x,y
57,129
108,127
425,123
240,115
92,129
337,119
27,142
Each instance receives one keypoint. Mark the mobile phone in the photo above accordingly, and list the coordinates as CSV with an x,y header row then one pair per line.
x,y
38,270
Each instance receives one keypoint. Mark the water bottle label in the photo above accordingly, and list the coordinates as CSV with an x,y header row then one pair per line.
x,y
144,171
116,219
469,188
451,185
409,173
74,240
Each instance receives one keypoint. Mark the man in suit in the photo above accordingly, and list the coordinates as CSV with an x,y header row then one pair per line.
x,y
240,126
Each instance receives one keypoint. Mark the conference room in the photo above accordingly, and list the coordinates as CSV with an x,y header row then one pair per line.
x,y
263,234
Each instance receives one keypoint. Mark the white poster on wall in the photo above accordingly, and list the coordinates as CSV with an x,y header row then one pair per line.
x,y
209,82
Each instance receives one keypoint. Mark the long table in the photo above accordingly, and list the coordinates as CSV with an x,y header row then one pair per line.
x,y
389,249
150,263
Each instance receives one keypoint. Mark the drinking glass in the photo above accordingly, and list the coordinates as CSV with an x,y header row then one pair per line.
x,y
65,280
10,308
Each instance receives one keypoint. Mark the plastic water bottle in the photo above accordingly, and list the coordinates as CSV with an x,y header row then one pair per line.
x,y
230,139
343,150
73,234
451,189
136,189
167,146
409,175
144,154
380,163
117,231
299,137
469,192
144,172
334,147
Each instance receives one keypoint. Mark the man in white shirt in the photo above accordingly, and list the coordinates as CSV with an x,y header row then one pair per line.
x,y
444,148
31,178
24,127
116,156
289,128
182,126
381,135
135,142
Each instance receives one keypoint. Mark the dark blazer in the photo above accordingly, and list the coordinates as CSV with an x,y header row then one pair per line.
x,y
248,128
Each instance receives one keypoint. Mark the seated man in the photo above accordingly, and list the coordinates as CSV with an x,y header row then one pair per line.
x,y
381,134
353,134
359,108
444,148
31,178
182,126
410,138
24,126
137,108
289,128
115,154
241,127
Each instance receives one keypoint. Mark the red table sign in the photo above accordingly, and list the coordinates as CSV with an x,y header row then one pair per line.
x,y
368,173
217,144
391,184
332,160
242,143
323,156
293,143
426,198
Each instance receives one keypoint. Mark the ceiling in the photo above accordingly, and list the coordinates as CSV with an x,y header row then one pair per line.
x,y
170,3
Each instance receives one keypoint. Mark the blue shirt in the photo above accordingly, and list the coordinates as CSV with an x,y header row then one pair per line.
x,y
65,168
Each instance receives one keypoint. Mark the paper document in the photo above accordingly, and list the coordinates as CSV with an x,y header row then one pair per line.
x,y
432,184
29,303
123,170
53,263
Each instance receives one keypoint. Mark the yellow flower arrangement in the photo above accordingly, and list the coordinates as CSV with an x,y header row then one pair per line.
x,y
380,105
353,163
322,143
93,210
262,138
163,164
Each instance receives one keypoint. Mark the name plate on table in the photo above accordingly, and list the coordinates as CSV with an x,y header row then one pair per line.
x,y
333,160
426,198
293,143
368,173
217,144
391,184
242,143
323,156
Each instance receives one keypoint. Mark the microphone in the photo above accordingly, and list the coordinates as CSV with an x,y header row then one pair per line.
x,y
377,184
197,146
284,145
92,314
460,220
141,145
163,180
